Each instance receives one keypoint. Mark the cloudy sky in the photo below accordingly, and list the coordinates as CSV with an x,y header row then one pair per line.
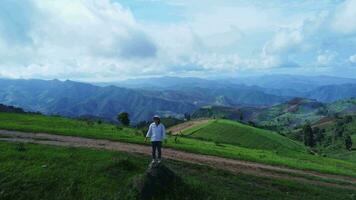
x,y
108,40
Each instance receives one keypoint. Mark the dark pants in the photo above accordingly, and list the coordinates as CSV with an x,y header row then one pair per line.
x,y
156,146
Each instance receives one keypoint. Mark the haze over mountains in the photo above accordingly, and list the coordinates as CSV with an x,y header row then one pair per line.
x,y
167,96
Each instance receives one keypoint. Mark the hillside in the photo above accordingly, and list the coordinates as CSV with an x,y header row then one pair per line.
x,y
244,114
289,158
10,109
330,93
182,95
230,132
292,113
217,112
331,133
76,99
345,106
80,173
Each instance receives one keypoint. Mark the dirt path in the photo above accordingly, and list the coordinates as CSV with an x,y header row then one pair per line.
x,y
235,166
180,127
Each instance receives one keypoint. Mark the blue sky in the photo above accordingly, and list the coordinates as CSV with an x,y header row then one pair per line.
x,y
103,40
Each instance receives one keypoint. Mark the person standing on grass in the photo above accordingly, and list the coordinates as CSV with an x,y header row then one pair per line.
x,y
157,133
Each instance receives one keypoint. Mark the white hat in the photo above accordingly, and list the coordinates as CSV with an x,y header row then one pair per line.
x,y
156,116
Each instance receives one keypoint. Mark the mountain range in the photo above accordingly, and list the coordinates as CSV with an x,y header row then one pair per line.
x,y
167,96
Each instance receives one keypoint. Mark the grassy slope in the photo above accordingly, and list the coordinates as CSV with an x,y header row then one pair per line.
x,y
63,126
337,148
229,132
44,172
342,105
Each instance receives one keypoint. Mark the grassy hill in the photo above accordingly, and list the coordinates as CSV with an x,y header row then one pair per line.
x,y
291,114
65,126
346,106
74,173
281,117
334,131
230,132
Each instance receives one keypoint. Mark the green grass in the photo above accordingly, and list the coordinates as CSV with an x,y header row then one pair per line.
x,y
29,171
343,154
64,126
229,132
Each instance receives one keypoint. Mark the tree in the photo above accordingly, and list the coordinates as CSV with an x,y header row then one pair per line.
x,y
308,136
318,134
124,118
348,119
187,116
241,116
348,142
339,131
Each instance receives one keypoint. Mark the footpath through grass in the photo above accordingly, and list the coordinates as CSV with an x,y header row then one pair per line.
x,y
29,171
64,126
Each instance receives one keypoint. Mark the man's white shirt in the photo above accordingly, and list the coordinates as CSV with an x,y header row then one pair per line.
x,y
156,132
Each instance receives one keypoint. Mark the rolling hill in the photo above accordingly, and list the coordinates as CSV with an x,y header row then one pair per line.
x,y
230,132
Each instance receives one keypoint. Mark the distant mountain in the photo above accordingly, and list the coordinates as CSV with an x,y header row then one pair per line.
x,y
10,109
321,88
332,93
292,82
219,96
75,99
166,82
167,96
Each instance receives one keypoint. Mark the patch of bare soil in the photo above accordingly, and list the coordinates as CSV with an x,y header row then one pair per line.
x,y
181,127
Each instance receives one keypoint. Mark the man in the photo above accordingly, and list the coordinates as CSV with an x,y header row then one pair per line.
x,y
157,133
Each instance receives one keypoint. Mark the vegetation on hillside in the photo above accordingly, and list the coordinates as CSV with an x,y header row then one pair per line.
x,y
64,126
335,137
71,173
229,132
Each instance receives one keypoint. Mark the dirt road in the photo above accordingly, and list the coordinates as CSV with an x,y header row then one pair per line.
x,y
235,166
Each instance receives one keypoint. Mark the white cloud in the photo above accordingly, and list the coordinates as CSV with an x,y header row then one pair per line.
x,y
325,58
352,59
102,40
71,37
319,41
344,19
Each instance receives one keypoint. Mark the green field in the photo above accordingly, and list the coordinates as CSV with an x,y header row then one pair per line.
x,y
229,132
64,126
29,171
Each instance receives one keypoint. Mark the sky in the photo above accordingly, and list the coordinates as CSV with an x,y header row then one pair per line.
x,y
110,40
